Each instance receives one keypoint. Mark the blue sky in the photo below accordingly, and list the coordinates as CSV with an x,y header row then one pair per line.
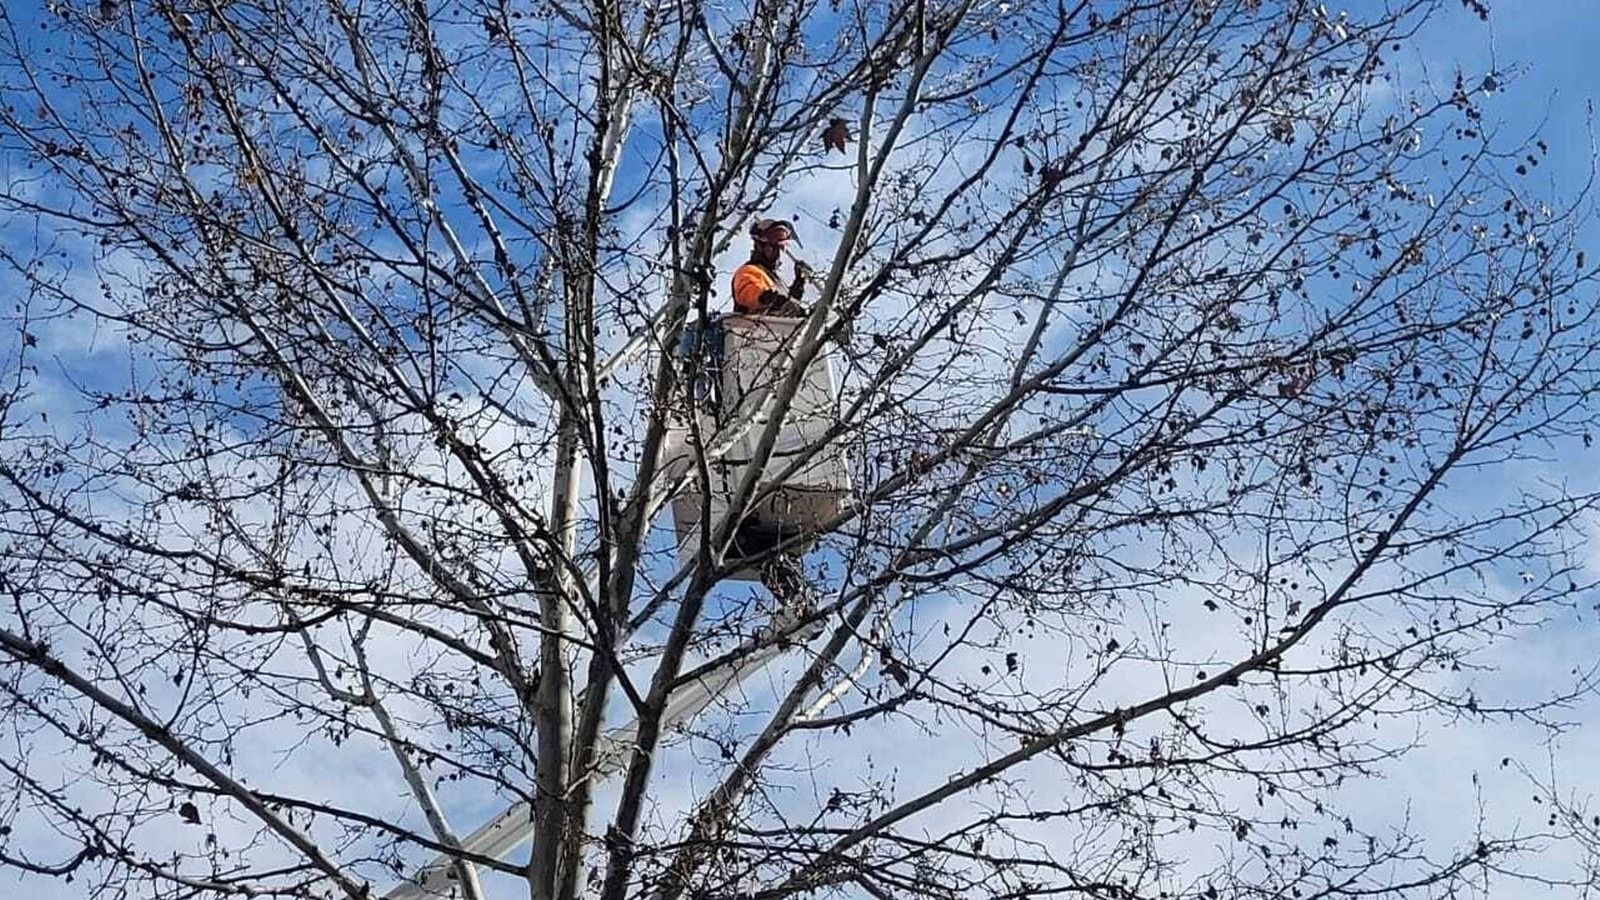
x,y
1550,46
1550,49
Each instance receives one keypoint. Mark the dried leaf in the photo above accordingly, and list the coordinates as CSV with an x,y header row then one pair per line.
x,y
836,135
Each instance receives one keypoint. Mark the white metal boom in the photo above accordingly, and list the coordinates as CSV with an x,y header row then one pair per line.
x,y
510,829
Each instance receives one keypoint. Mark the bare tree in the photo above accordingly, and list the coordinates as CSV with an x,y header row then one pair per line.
x,y
1198,374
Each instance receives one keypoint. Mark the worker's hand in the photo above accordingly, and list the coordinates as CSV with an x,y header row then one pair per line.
x,y
802,278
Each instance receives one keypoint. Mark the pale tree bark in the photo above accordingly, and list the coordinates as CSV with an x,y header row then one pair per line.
x,y
1193,366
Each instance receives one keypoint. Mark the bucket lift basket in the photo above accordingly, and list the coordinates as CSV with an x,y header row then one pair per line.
x,y
733,367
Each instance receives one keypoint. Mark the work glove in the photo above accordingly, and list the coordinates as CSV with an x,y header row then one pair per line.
x,y
802,275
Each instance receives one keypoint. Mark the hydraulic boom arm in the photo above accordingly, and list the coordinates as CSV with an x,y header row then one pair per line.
x,y
513,827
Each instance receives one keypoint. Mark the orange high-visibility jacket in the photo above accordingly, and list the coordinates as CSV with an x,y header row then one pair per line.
x,y
750,282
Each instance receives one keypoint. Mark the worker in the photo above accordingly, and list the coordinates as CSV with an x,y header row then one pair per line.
x,y
757,290
756,287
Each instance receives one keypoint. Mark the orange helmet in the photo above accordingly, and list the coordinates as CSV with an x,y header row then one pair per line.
x,y
772,231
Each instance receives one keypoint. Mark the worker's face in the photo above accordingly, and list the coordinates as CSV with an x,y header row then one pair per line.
x,y
770,250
